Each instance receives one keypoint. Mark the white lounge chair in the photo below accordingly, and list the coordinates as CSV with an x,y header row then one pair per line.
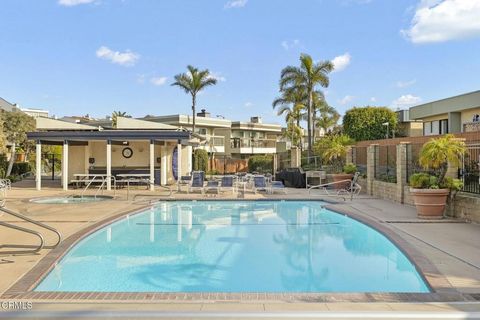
x,y
227,184
277,186
260,184
344,188
197,182
212,185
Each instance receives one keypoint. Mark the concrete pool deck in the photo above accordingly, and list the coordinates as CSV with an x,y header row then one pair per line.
x,y
452,246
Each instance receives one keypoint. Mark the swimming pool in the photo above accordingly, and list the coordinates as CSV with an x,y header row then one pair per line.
x,y
235,246
70,200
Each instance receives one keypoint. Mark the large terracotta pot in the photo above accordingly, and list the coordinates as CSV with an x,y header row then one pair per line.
x,y
430,203
339,177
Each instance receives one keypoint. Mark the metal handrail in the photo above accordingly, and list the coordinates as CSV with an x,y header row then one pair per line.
x,y
33,250
90,183
37,223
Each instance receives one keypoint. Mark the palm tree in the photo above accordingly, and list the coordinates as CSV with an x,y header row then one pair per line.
x,y
116,114
328,116
308,76
193,82
295,97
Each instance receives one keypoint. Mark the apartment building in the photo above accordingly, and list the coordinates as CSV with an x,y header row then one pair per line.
x,y
235,139
450,115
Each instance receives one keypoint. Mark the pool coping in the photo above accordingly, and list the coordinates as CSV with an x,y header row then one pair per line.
x,y
442,290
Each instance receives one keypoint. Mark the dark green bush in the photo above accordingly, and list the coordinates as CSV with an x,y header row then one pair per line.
x,y
260,164
350,168
20,168
200,160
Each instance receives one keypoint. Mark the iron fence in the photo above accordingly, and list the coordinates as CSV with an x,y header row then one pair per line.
x,y
359,157
386,163
469,173
413,165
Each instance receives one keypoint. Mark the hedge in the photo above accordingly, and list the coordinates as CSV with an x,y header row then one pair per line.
x,y
260,164
200,160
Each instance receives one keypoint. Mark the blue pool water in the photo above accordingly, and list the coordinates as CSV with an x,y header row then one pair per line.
x,y
241,246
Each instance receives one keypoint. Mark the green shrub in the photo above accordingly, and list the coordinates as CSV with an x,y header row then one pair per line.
x,y
20,168
366,123
260,164
423,181
350,168
200,160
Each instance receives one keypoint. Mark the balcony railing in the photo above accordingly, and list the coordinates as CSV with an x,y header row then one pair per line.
x,y
236,143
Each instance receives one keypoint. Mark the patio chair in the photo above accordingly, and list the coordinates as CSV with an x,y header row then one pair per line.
x,y
183,181
227,184
259,184
198,179
277,186
343,188
212,185
6,183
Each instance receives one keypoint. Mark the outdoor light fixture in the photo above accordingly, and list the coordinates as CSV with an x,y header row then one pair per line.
x,y
387,124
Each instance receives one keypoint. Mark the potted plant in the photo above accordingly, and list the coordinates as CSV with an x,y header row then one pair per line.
x,y
333,150
430,191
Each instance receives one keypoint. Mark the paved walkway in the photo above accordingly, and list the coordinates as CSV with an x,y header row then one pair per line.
x,y
453,246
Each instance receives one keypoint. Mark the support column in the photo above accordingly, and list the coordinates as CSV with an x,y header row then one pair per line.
x,y
163,175
295,158
38,165
65,166
152,165
371,155
275,165
401,171
109,165
189,159
349,157
179,161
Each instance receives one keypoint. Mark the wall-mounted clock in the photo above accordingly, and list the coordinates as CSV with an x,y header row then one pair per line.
x,y
127,152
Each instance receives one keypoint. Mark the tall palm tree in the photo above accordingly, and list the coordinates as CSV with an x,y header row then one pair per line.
x,y
116,114
294,97
308,76
193,82
327,116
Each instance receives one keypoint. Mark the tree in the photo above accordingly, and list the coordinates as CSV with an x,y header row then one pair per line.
x,y
193,82
369,123
16,124
307,77
293,102
116,114
327,116
437,153
333,150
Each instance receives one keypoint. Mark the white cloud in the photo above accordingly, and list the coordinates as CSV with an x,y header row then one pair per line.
x,y
373,99
404,84
248,104
347,99
444,20
158,81
235,4
126,58
71,3
341,62
218,76
406,101
290,44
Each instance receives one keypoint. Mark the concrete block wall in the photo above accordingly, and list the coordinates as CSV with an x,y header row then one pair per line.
x,y
464,205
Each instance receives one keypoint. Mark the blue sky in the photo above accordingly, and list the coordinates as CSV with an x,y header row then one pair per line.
x,y
75,57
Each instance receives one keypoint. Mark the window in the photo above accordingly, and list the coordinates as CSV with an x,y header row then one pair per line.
x,y
427,128
444,126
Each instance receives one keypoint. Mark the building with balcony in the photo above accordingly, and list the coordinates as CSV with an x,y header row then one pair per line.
x,y
254,137
215,130
450,115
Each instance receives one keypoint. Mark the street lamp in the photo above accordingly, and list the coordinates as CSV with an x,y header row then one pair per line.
x,y
387,124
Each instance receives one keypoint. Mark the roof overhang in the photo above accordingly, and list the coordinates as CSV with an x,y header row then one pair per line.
x,y
105,135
